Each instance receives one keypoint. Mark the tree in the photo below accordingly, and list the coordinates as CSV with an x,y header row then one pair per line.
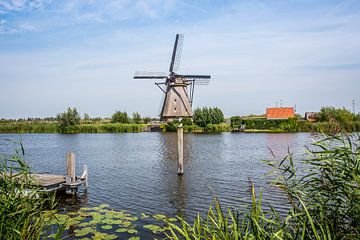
x,y
146,120
86,118
120,117
204,116
235,121
136,118
341,115
69,118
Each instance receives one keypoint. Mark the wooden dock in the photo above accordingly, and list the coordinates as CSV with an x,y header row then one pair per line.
x,y
48,180
70,182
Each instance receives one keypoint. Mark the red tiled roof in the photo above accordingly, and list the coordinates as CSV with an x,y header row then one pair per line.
x,y
280,113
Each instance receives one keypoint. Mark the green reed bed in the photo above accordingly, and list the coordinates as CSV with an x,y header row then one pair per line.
x,y
28,127
22,212
324,197
111,128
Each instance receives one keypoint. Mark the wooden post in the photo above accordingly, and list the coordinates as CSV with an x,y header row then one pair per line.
x,y
85,176
71,167
180,141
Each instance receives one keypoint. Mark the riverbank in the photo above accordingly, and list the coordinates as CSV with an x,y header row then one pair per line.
x,y
32,127
279,126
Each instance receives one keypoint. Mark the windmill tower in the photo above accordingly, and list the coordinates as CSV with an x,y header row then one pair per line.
x,y
177,88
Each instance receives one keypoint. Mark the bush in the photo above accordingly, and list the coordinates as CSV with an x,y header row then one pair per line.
x,y
68,120
235,121
120,117
136,118
340,115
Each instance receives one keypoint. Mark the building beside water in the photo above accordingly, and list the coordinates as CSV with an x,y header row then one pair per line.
x,y
279,113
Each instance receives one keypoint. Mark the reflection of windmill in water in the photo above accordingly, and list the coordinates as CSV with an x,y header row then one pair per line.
x,y
178,88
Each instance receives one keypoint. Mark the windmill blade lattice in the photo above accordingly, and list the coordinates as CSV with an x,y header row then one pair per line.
x,y
177,51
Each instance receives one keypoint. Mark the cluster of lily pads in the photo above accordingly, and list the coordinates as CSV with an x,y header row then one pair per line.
x,y
102,222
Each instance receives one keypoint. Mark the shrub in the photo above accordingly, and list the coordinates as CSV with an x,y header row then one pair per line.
x,y
136,118
68,119
120,117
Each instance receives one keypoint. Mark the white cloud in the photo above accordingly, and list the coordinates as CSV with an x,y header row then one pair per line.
x,y
21,5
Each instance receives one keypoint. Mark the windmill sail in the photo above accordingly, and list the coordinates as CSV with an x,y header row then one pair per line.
x,y
176,54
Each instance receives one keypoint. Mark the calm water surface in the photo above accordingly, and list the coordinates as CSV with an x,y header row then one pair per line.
x,y
138,171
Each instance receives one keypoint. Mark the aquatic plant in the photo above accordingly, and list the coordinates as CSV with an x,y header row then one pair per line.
x,y
22,210
324,198
103,222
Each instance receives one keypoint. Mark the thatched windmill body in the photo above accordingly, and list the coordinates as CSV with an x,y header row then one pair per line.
x,y
178,89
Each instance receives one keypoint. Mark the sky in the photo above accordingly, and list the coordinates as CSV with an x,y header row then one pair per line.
x,y
84,53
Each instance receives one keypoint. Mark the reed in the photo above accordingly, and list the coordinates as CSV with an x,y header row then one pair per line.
x,y
22,212
324,199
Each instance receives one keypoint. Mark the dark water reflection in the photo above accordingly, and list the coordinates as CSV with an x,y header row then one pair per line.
x,y
138,171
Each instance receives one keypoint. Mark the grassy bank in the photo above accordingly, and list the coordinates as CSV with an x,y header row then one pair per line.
x,y
252,126
293,125
29,127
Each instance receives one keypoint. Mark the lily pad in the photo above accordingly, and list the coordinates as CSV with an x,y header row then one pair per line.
x,y
154,228
121,230
126,224
101,235
132,231
106,227
83,231
143,215
134,238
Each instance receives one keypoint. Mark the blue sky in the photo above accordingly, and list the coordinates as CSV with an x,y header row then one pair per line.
x,y
55,54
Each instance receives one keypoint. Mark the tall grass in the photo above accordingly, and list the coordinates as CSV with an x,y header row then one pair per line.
x,y
324,199
32,127
28,127
22,212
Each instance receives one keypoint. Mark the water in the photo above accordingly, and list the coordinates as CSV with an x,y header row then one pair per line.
x,y
138,171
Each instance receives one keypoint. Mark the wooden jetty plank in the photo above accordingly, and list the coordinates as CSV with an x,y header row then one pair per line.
x,y
46,180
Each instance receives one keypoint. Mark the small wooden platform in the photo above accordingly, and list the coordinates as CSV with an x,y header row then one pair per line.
x,y
48,180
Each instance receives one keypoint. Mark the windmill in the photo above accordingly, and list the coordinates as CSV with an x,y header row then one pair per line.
x,y
178,89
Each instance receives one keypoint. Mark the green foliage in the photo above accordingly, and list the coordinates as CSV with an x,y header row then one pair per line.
x,y
28,127
193,128
186,121
22,212
86,118
222,127
235,121
81,128
288,125
146,120
324,200
204,116
110,128
170,126
68,120
95,223
136,118
120,117
341,115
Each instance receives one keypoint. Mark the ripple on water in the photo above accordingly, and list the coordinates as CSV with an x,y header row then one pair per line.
x,y
139,171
